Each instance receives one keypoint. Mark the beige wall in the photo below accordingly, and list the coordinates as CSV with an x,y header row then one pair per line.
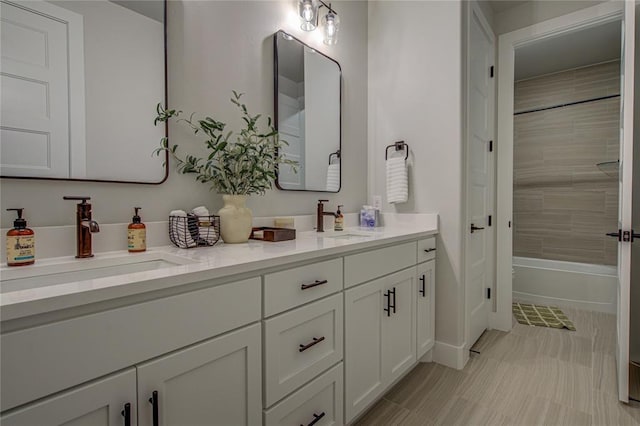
x,y
215,47
563,204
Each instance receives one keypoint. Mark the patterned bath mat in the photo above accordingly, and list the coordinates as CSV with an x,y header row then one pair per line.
x,y
541,316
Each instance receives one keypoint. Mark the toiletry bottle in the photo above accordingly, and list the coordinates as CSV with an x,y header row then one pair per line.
x,y
137,234
21,243
338,224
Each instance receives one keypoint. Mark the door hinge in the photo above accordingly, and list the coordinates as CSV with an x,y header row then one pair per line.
x,y
489,221
489,293
490,146
491,71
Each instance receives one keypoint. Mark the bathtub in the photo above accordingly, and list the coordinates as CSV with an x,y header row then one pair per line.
x,y
553,282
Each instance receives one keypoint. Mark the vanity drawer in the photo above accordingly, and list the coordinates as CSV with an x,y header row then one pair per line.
x,y
300,344
294,287
426,249
321,399
38,361
362,267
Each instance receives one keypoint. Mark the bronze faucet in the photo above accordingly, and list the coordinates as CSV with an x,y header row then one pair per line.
x,y
321,214
84,227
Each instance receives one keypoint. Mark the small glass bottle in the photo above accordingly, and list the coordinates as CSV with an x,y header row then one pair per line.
x,y
137,234
21,243
339,221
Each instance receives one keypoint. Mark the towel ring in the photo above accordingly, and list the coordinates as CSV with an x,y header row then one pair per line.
x,y
337,154
399,146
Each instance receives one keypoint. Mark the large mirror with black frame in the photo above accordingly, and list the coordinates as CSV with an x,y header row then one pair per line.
x,y
80,82
308,97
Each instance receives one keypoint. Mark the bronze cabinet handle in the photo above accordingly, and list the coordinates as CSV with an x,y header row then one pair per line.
x,y
476,228
313,284
126,413
314,342
429,250
154,402
316,419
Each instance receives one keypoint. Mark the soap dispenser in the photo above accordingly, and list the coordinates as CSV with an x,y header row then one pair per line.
x,y
338,224
137,234
21,242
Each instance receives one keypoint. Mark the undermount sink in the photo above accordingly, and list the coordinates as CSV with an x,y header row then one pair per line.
x,y
53,272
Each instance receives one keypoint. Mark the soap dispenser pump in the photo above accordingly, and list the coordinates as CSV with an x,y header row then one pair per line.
x,y
21,242
137,234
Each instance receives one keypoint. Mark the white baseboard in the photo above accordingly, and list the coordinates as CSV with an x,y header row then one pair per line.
x,y
450,355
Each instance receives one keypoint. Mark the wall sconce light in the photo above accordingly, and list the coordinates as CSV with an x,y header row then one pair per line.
x,y
309,10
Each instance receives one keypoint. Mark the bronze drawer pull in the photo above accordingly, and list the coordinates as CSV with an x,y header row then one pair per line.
x,y
315,341
429,250
316,418
313,284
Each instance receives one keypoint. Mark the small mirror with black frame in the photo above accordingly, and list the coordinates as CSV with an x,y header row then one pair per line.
x,y
307,110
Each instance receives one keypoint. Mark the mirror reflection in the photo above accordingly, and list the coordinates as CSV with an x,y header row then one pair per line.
x,y
308,115
79,85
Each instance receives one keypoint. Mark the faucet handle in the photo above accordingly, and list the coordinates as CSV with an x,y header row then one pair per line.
x,y
79,198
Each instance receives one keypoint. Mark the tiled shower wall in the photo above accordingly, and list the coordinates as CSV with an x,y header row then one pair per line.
x,y
563,203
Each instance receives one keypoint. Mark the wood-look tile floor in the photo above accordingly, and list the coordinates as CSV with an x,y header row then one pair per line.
x,y
530,376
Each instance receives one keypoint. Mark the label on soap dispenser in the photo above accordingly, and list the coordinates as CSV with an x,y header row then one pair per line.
x,y
137,239
21,249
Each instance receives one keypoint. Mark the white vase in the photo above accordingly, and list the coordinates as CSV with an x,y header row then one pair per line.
x,y
235,219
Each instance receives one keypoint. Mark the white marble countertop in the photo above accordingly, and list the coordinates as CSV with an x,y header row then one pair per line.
x,y
219,261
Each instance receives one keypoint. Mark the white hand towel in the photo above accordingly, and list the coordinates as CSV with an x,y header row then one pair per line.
x,y
206,229
397,180
180,229
333,177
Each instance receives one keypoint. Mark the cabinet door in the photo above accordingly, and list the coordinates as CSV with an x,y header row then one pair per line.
x,y
425,306
399,324
100,403
217,382
363,347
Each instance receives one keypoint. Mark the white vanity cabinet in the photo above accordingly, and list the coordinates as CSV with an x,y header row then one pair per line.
x,y
315,341
105,402
196,349
214,383
380,319
425,307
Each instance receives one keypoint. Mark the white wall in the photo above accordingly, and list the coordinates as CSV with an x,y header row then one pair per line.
x,y
415,95
215,47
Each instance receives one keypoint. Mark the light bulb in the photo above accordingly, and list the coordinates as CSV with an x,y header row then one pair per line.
x,y
307,10
331,24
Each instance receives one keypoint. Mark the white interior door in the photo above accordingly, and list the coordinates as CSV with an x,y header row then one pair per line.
x,y
34,138
479,235
625,193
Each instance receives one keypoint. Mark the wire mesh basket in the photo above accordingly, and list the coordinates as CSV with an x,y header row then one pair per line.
x,y
194,231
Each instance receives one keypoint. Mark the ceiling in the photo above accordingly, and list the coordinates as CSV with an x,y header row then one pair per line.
x,y
499,6
573,50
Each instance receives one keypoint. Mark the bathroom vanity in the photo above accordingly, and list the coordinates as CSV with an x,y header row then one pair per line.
x,y
309,331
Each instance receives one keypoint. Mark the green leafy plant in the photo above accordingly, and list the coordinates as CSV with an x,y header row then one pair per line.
x,y
242,165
